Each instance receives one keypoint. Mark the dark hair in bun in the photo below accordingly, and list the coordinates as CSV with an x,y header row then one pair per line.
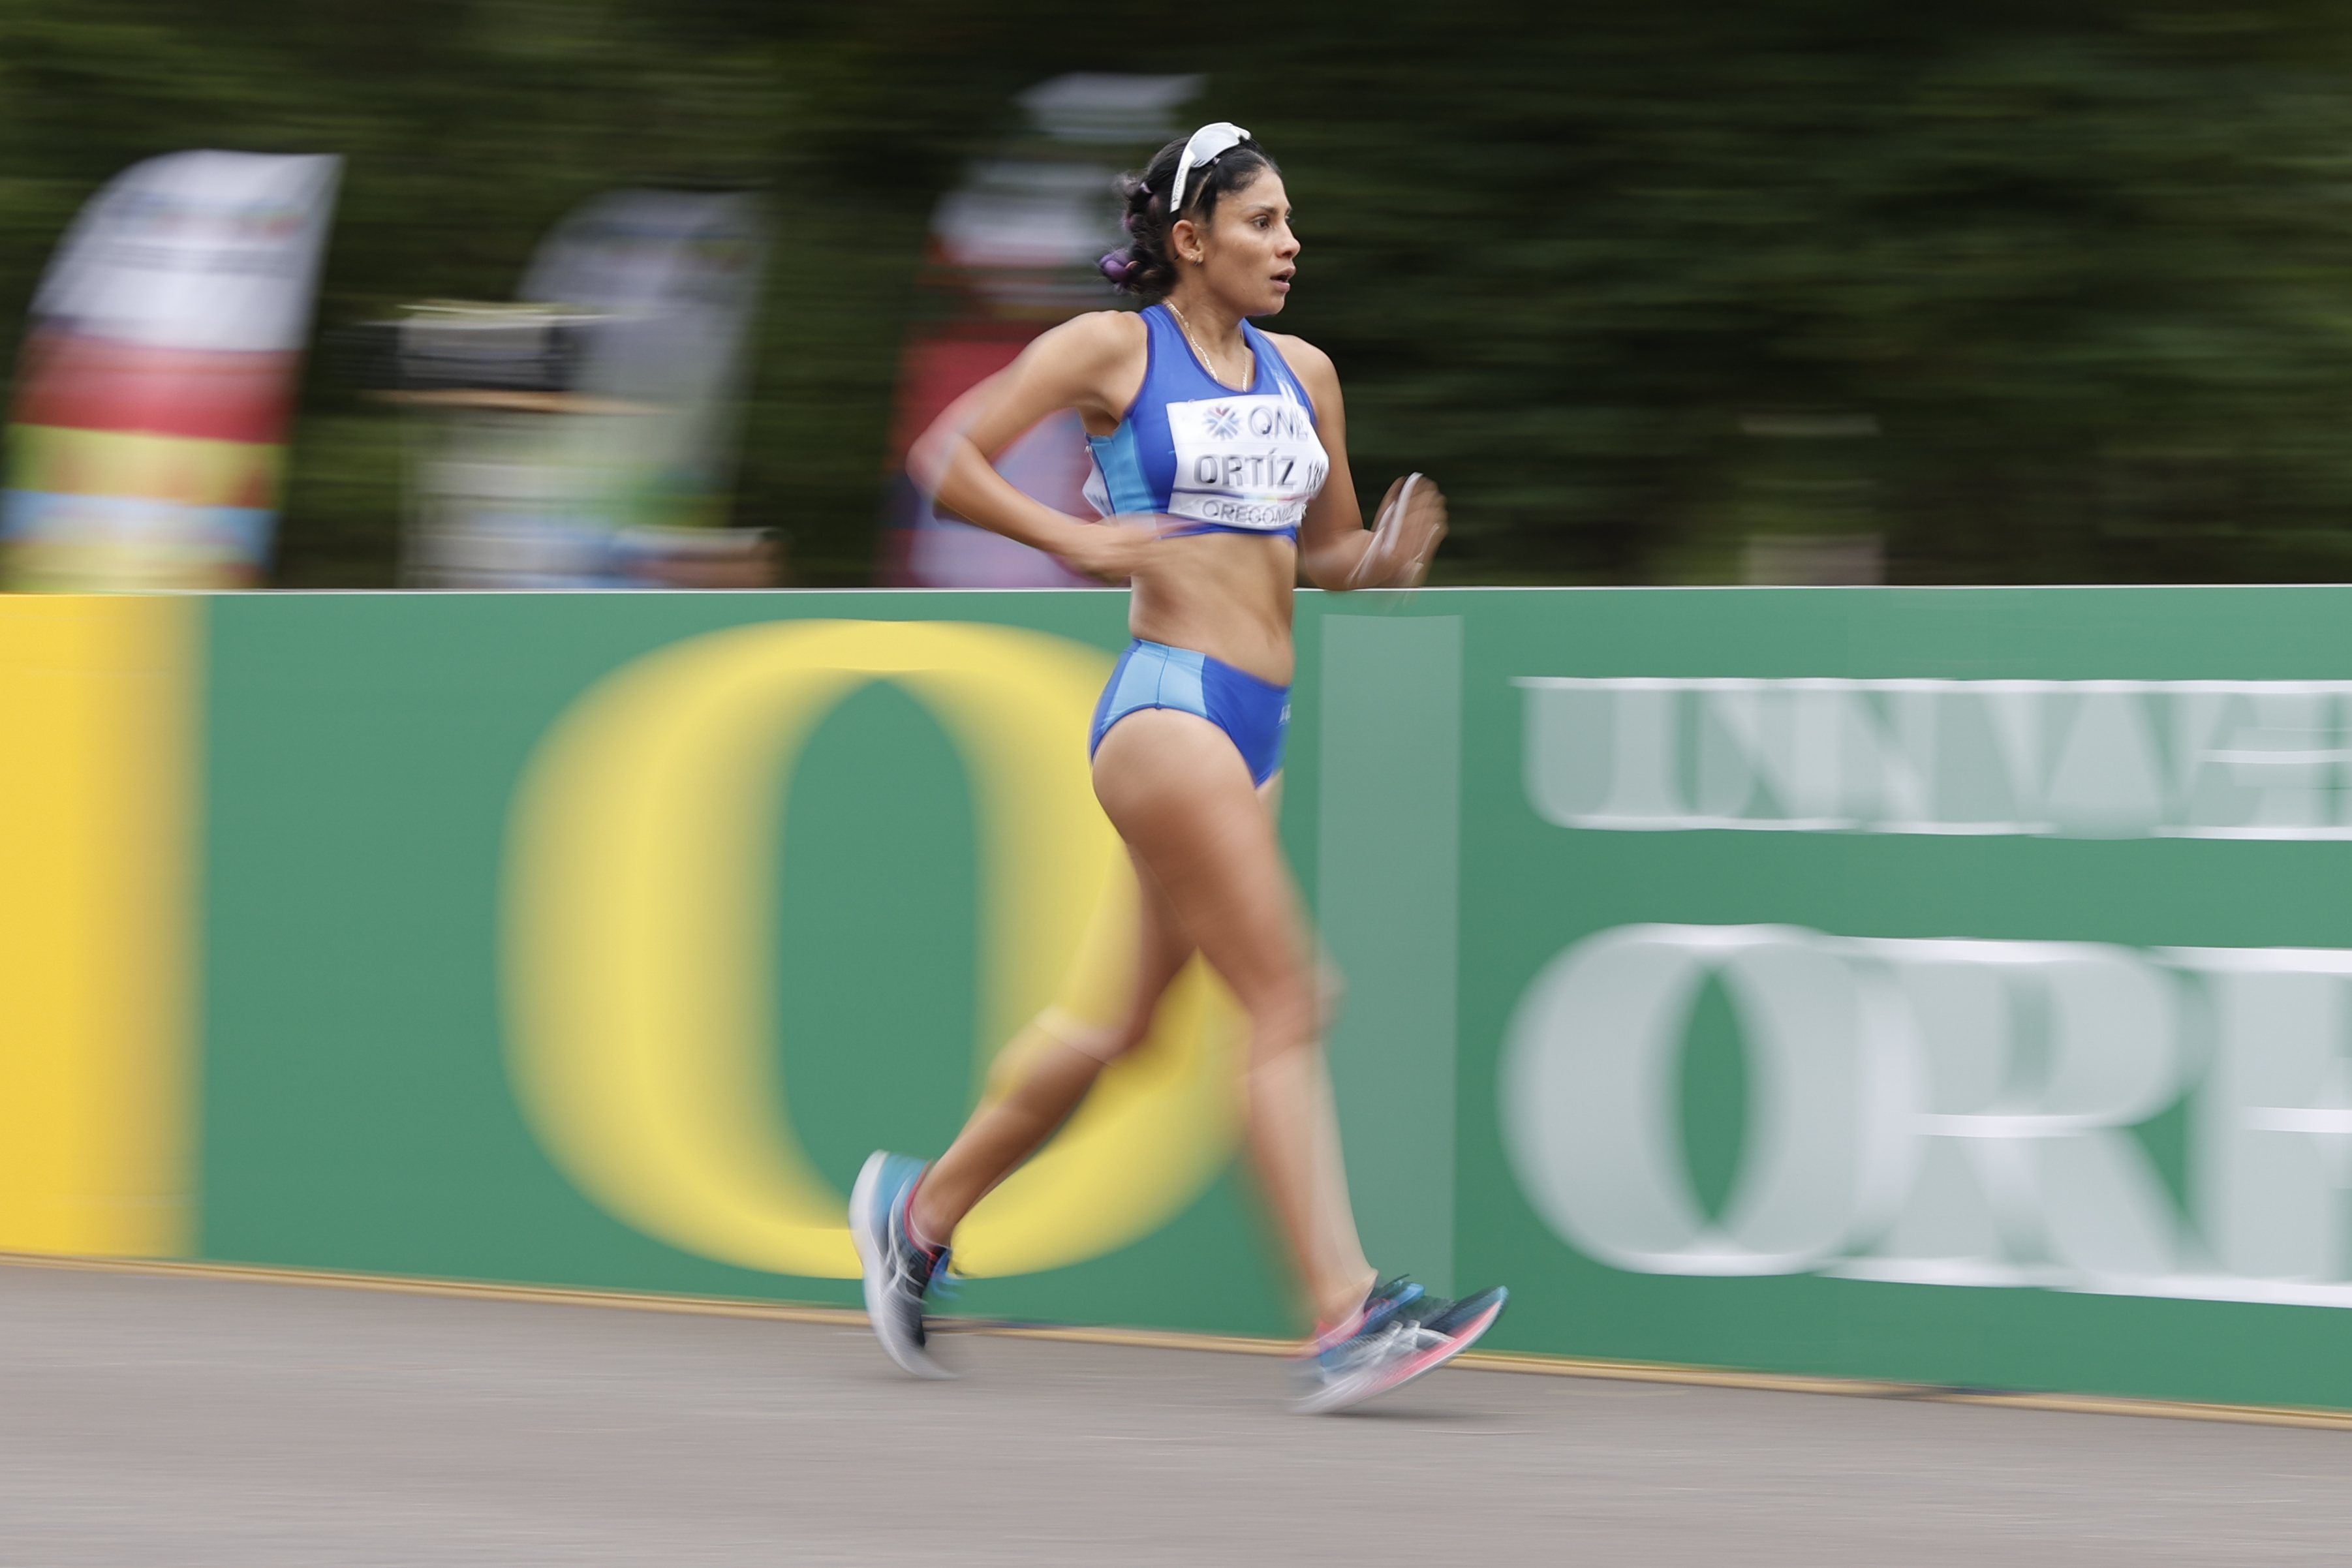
x,y
1144,265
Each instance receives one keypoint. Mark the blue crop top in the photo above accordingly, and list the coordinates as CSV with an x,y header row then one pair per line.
x,y
1218,459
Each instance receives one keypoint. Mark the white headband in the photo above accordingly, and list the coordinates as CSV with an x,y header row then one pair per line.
x,y
1209,143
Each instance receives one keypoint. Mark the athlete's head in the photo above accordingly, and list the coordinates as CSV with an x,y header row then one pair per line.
x,y
1208,211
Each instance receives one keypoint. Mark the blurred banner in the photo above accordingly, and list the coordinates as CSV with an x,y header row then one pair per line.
x,y
588,438
1012,252
154,387
98,1017
1941,987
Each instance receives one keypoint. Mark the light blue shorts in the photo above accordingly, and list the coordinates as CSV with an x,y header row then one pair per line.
x,y
1254,714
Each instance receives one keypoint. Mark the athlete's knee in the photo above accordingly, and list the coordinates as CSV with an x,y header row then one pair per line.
x,y
1284,1017
1330,993
1104,1042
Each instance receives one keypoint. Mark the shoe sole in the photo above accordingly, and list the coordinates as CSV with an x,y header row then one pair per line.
x,y
1427,1361
869,1228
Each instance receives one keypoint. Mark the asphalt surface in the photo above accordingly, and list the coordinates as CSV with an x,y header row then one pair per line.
x,y
192,1422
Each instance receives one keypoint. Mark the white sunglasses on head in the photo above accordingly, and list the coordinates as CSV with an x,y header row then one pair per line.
x,y
1208,144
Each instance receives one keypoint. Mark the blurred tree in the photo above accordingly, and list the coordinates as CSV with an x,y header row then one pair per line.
x,y
2079,267
2049,292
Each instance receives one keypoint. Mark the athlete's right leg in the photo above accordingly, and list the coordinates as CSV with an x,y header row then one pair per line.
x,y
1051,1064
903,1215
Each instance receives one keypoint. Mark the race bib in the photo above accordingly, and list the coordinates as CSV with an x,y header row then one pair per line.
x,y
1246,461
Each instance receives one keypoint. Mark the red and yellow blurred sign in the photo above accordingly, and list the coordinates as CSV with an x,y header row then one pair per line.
x,y
154,386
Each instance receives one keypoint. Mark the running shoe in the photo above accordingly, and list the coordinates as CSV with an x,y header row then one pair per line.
x,y
1464,1320
1399,1333
898,1272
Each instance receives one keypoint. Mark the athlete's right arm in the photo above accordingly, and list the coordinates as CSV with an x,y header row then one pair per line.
x,y
1093,364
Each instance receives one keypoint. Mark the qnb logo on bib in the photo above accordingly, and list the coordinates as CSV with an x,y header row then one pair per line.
x,y
1244,462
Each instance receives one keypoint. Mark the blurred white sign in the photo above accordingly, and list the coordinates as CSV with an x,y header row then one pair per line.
x,y
2210,759
197,250
1951,1112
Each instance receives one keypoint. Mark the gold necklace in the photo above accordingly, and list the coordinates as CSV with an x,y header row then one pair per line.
x,y
1203,353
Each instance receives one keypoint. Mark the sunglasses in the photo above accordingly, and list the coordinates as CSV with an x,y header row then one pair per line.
x,y
1208,144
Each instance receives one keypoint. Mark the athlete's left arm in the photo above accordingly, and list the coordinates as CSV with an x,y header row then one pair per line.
x,y
1335,549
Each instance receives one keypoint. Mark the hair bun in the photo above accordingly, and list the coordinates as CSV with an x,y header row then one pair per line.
x,y
1120,266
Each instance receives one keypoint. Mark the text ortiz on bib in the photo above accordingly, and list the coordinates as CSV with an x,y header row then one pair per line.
x,y
1246,461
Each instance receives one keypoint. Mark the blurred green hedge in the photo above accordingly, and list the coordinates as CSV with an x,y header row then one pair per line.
x,y
2043,293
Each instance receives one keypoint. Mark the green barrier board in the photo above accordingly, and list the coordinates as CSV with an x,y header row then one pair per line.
x,y
1946,986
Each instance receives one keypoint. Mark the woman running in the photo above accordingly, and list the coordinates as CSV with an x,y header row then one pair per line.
x,y
1213,445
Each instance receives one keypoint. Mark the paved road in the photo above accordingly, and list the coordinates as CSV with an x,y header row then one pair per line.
x,y
188,1423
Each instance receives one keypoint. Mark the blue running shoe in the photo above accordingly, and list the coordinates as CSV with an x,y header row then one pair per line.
x,y
1400,1334
899,1273
1464,1320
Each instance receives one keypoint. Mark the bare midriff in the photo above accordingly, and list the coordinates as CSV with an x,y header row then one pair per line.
x,y
1226,595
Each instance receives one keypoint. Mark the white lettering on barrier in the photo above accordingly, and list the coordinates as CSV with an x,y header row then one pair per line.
x,y
1950,1112
2272,1132
2027,1061
2261,760
1589,1109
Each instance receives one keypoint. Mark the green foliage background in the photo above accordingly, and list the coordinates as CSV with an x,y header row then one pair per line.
x,y
2067,283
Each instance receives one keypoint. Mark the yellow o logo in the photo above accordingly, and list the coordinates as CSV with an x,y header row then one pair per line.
x,y
637,924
